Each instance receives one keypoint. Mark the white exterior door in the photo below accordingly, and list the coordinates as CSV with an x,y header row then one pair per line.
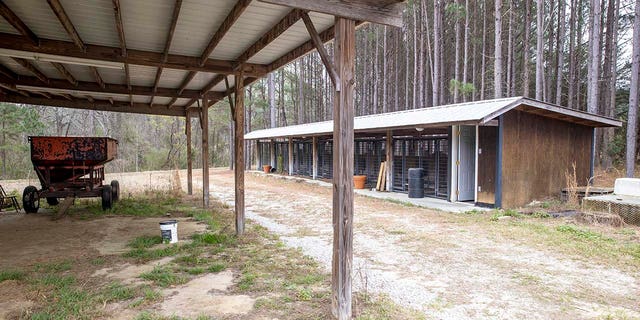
x,y
466,163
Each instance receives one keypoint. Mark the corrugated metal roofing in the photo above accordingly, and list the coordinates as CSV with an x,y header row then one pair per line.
x,y
478,112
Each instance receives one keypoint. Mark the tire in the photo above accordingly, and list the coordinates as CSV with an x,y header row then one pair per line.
x,y
115,190
107,200
52,201
30,199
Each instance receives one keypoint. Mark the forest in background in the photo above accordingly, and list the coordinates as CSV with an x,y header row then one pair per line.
x,y
575,53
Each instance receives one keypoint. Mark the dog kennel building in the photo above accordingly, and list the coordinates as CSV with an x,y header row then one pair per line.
x,y
500,153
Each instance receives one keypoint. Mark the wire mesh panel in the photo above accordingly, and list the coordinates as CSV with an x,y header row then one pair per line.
x,y
367,156
303,158
264,154
430,154
282,156
325,158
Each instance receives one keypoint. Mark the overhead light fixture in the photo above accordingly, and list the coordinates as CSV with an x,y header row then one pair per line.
x,y
419,129
61,59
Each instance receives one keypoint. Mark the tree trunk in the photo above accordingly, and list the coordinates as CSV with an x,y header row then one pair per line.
x,y
526,47
484,50
497,65
456,74
416,54
272,99
510,45
436,52
465,59
632,119
560,47
540,50
376,64
384,70
594,57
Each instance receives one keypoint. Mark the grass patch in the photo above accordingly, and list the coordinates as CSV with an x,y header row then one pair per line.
x,y
579,234
504,213
118,292
55,281
216,268
164,277
211,238
143,254
53,267
383,308
144,242
12,275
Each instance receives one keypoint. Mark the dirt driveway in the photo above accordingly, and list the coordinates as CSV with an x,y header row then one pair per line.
x,y
437,262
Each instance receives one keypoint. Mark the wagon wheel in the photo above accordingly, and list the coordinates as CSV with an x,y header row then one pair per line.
x,y
52,201
30,199
107,200
115,190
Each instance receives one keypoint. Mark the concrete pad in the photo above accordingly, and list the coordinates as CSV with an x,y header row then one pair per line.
x,y
627,187
430,203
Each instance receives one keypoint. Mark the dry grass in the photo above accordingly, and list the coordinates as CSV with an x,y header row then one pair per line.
x,y
571,183
602,218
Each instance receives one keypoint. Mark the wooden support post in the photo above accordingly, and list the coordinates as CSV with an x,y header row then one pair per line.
x,y
344,61
314,160
389,151
239,153
290,156
189,154
204,122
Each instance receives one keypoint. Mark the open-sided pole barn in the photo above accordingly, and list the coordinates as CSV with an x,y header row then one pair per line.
x,y
180,57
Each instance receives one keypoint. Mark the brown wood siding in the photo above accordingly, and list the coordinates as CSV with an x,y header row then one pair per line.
x,y
537,152
487,140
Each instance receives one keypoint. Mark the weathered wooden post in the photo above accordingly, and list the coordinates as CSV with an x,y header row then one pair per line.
x,y
314,153
204,122
389,152
239,153
344,62
189,154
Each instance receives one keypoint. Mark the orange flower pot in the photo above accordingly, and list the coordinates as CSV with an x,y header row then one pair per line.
x,y
359,181
266,168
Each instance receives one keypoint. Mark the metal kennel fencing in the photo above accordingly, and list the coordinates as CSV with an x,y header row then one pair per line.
x,y
430,154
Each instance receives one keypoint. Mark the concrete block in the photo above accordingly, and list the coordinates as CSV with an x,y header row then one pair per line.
x,y
627,187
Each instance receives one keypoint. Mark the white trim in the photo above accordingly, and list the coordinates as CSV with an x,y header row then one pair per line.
x,y
475,187
455,145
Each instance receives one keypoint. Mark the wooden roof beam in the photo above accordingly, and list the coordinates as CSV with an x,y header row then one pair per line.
x,y
167,45
58,10
59,84
134,57
29,66
65,73
12,87
18,24
226,25
97,104
123,43
387,12
285,23
96,75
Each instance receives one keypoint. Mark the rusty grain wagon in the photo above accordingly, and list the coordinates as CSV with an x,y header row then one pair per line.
x,y
71,167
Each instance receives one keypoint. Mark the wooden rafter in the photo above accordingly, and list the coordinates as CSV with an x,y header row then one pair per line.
x,y
96,75
289,20
18,24
29,66
285,23
64,85
167,45
12,87
65,73
134,57
319,45
98,104
228,22
58,10
117,12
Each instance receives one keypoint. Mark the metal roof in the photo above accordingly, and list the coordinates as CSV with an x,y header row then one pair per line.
x,y
209,36
470,113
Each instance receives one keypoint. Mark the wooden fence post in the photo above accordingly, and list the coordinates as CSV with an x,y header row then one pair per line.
x,y
204,120
189,154
239,153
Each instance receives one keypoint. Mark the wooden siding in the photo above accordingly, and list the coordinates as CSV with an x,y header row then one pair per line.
x,y
537,152
488,140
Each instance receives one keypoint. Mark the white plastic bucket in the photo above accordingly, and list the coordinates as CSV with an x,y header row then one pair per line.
x,y
169,231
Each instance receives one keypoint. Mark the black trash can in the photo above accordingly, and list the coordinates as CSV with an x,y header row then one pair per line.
x,y
416,183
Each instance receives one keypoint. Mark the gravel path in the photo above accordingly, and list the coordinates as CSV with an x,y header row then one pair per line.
x,y
423,261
